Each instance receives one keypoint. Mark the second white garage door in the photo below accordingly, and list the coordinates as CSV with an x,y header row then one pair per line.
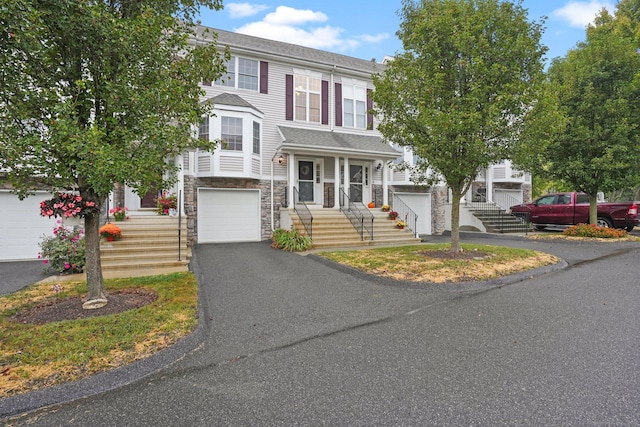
x,y
21,226
420,203
228,215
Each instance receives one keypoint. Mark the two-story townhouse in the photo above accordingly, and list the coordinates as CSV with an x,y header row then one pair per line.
x,y
295,127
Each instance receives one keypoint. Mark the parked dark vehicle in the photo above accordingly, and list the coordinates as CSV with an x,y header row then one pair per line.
x,y
566,209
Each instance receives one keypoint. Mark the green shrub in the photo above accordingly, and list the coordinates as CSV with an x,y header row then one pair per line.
x,y
290,240
592,230
63,252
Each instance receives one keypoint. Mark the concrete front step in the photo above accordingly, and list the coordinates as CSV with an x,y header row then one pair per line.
x,y
332,229
149,246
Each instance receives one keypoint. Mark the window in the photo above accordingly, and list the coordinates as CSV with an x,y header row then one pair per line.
x,y
242,73
256,138
231,133
307,98
354,106
203,129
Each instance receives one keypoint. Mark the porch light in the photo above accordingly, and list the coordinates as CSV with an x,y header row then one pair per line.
x,y
281,159
379,166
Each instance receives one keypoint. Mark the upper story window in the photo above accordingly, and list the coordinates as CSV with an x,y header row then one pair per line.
x,y
308,91
231,133
203,129
256,138
242,73
354,98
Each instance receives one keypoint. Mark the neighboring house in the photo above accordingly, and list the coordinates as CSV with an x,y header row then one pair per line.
x,y
296,127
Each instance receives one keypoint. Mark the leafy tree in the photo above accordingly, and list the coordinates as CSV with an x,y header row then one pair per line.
x,y
465,92
95,93
598,86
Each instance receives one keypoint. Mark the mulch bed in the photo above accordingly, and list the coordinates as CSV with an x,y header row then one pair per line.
x,y
55,310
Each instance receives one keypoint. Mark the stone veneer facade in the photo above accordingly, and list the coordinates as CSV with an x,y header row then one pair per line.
x,y
192,184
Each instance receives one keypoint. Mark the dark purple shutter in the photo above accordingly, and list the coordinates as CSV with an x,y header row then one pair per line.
x,y
264,77
289,97
369,108
325,102
206,83
338,104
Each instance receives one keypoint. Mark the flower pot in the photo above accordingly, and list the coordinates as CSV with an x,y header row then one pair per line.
x,y
111,238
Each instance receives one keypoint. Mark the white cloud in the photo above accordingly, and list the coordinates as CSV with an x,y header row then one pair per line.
x,y
579,14
303,27
285,15
242,10
368,38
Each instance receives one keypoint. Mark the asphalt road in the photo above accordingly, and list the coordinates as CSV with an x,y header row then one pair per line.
x,y
292,340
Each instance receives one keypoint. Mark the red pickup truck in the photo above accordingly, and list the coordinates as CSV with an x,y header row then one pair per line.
x,y
565,209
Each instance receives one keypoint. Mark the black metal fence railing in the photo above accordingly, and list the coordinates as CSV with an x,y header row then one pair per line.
x,y
359,216
495,218
303,213
406,214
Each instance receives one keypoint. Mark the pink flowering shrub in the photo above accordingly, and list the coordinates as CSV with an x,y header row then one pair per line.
x,y
67,205
64,252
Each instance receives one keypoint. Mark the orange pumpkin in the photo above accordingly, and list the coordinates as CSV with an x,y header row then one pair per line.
x,y
371,205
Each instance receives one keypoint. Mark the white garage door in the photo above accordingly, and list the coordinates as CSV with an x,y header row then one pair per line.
x,y
228,215
21,226
420,203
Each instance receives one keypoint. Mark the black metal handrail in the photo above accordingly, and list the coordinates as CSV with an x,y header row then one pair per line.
x,y
497,217
406,214
303,213
359,216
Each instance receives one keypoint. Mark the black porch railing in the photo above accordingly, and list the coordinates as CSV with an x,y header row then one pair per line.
x,y
359,216
303,213
495,218
406,214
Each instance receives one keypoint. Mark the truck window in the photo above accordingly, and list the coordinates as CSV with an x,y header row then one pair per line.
x,y
546,200
582,198
564,199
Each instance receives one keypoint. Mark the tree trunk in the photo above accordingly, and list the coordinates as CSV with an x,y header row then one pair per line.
x,y
455,223
96,295
593,209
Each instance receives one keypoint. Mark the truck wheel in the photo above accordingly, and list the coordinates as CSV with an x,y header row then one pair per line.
x,y
629,228
604,222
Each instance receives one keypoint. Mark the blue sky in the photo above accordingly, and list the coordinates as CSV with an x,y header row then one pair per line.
x,y
366,29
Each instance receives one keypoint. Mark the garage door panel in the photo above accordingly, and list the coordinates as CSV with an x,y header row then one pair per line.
x,y
228,215
22,227
420,203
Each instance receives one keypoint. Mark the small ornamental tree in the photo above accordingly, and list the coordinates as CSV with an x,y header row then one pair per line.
x,y
98,93
465,92
598,87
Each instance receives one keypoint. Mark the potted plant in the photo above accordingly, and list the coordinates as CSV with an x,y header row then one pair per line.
x,y
386,208
166,202
401,224
393,215
119,214
111,232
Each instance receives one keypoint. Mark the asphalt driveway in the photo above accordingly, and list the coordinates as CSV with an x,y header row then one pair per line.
x,y
15,275
292,340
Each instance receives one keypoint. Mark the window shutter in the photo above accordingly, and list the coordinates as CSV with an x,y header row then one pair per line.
x,y
338,104
369,108
325,102
264,77
206,83
289,97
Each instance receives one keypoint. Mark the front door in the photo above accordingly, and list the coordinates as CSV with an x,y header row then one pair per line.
x,y
306,181
356,180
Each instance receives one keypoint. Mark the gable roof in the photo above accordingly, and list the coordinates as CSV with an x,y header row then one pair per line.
x,y
332,142
231,100
293,52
